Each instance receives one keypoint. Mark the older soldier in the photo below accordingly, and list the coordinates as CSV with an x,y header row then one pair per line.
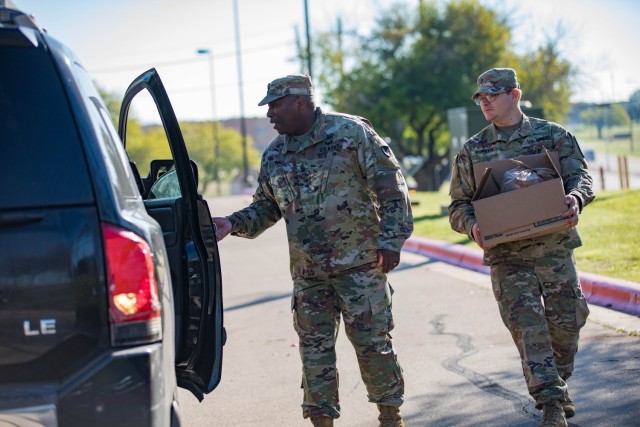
x,y
347,213
534,280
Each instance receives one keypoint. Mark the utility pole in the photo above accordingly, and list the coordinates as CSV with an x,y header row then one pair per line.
x,y
214,125
243,126
306,21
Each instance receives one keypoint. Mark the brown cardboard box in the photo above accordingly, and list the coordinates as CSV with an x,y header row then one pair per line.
x,y
521,213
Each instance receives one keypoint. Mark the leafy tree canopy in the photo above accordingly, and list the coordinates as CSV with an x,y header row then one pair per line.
x,y
606,115
418,63
633,108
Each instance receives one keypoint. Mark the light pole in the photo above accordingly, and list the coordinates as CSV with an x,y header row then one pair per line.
x,y
243,126
214,126
306,22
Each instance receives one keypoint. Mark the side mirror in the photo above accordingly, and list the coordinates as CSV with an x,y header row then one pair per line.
x,y
159,167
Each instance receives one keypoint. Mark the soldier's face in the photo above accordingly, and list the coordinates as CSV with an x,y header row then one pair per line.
x,y
285,115
500,108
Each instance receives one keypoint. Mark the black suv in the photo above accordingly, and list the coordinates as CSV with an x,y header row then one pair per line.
x,y
110,291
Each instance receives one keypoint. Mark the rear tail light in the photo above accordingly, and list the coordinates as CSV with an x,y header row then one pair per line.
x,y
134,305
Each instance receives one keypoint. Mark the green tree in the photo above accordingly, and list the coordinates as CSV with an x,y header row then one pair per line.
x,y
145,143
545,79
141,147
112,101
417,64
633,107
411,70
605,115
200,140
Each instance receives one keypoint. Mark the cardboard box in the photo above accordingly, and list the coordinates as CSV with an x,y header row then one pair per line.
x,y
521,213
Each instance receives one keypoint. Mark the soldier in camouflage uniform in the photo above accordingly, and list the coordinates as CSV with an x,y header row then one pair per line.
x,y
534,280
345,203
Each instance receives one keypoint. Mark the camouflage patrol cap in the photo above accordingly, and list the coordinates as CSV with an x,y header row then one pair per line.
x,y
496,80
293,84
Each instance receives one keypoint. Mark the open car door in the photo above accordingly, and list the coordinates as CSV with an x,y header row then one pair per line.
x,y
170,195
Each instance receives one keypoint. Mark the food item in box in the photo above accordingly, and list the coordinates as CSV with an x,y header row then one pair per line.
x,y
524,175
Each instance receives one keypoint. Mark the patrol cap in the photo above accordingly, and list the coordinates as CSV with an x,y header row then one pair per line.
x,y
496,80
293,84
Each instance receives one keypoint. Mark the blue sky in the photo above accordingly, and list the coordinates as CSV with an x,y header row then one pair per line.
x,y
118,39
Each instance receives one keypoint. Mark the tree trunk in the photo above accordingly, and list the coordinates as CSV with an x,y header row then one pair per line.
x,y
431,175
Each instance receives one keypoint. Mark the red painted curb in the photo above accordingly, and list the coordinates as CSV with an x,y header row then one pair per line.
x,y
450,253
620,295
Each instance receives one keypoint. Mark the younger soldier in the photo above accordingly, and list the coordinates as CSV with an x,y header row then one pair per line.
x,y
347,213
534,280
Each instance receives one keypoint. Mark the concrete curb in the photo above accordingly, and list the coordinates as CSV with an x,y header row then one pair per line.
x,y
620,295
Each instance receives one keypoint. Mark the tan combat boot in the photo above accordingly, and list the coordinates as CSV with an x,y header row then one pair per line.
x,y
390,416
569,407
553,415
321,421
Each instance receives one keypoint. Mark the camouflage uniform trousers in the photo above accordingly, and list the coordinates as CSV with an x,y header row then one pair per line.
x,y
363,298
542,304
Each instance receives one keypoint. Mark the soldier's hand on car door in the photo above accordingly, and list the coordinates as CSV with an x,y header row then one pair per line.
x,y
223,227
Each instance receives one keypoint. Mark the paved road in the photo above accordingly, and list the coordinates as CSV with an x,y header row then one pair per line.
x,y
460,365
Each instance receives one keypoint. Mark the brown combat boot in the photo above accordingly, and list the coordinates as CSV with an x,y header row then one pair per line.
x,y
390,416
321,421
553,415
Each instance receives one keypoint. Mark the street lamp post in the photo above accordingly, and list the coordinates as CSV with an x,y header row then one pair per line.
x,y
243,126
214,126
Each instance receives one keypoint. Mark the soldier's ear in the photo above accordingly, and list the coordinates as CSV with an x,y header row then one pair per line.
x,y
518,93
301,102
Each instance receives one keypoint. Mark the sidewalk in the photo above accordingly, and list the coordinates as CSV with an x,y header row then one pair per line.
x,y
612,319
612,294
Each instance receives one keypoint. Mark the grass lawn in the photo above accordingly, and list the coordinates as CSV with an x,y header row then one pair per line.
x,y
609,226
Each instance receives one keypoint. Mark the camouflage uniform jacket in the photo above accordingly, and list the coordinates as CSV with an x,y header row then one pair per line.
x,y
341,192
530,138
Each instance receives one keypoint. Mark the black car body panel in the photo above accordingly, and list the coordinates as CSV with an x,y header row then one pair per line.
x,y
67,178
